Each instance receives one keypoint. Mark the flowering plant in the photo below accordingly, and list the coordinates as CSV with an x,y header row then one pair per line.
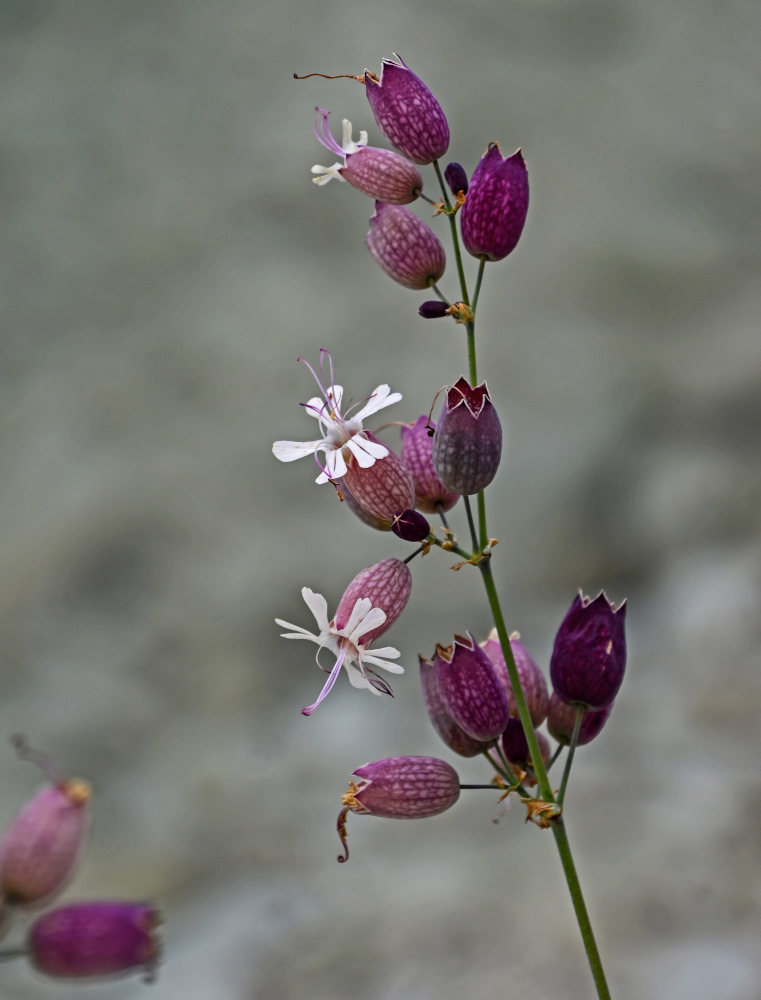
x,y
484,698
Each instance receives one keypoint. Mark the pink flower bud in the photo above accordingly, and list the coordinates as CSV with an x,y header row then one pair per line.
x,y
562,718
453,735
417,454
470,689
467,446
405,247
407,112
494,213
95,939
404,788
515,745
589,655
410,526
387,585
377,493
456,178
40,848
531,677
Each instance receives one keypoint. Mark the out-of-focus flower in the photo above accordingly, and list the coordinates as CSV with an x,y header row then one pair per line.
x,y
41,847
378,493
342,435
470,690
494,213
407,113
562,718
589,655
531,677
405,247
431,495
378,173
370,605
467,446
95,939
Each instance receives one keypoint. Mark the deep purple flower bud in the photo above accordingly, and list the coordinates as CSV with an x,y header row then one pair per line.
x,y
379,173
95,939
562,718
417,454
589,656
470,689
515,745
532,679
387,585
407,113
494,213
378,493
453,735
404,788
467,445
40,849
456,178
410,526
407,250
433,309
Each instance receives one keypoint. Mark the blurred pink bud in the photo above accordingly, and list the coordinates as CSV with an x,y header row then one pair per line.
x,y
40,848
95,939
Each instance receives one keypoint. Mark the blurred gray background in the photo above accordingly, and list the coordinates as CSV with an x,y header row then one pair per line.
x,y
165,259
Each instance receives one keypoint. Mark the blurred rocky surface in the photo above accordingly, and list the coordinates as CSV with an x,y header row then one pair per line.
x,y
165,259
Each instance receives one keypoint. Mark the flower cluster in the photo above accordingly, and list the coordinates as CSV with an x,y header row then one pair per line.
x,y
485,698
38,856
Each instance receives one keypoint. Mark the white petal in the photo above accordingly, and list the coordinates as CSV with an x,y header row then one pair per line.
x,y
373,448
289,451
392,668
318,606
386,653
362,606
380,398
335,463
372,620
327,174
357,445
357,679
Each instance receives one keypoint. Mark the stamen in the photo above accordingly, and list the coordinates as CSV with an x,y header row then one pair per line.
x,y
24,752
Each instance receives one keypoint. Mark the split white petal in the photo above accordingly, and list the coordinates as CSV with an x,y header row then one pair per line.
x,y
361,607
318,606
365,458
380,398
326,174
335,465
371,620
372,448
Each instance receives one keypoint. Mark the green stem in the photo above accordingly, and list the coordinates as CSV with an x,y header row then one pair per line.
x,y
580,908
515,682
471,524
571,752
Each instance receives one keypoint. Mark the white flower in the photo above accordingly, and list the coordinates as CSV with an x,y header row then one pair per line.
x,y
346,148
346,644
342,435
